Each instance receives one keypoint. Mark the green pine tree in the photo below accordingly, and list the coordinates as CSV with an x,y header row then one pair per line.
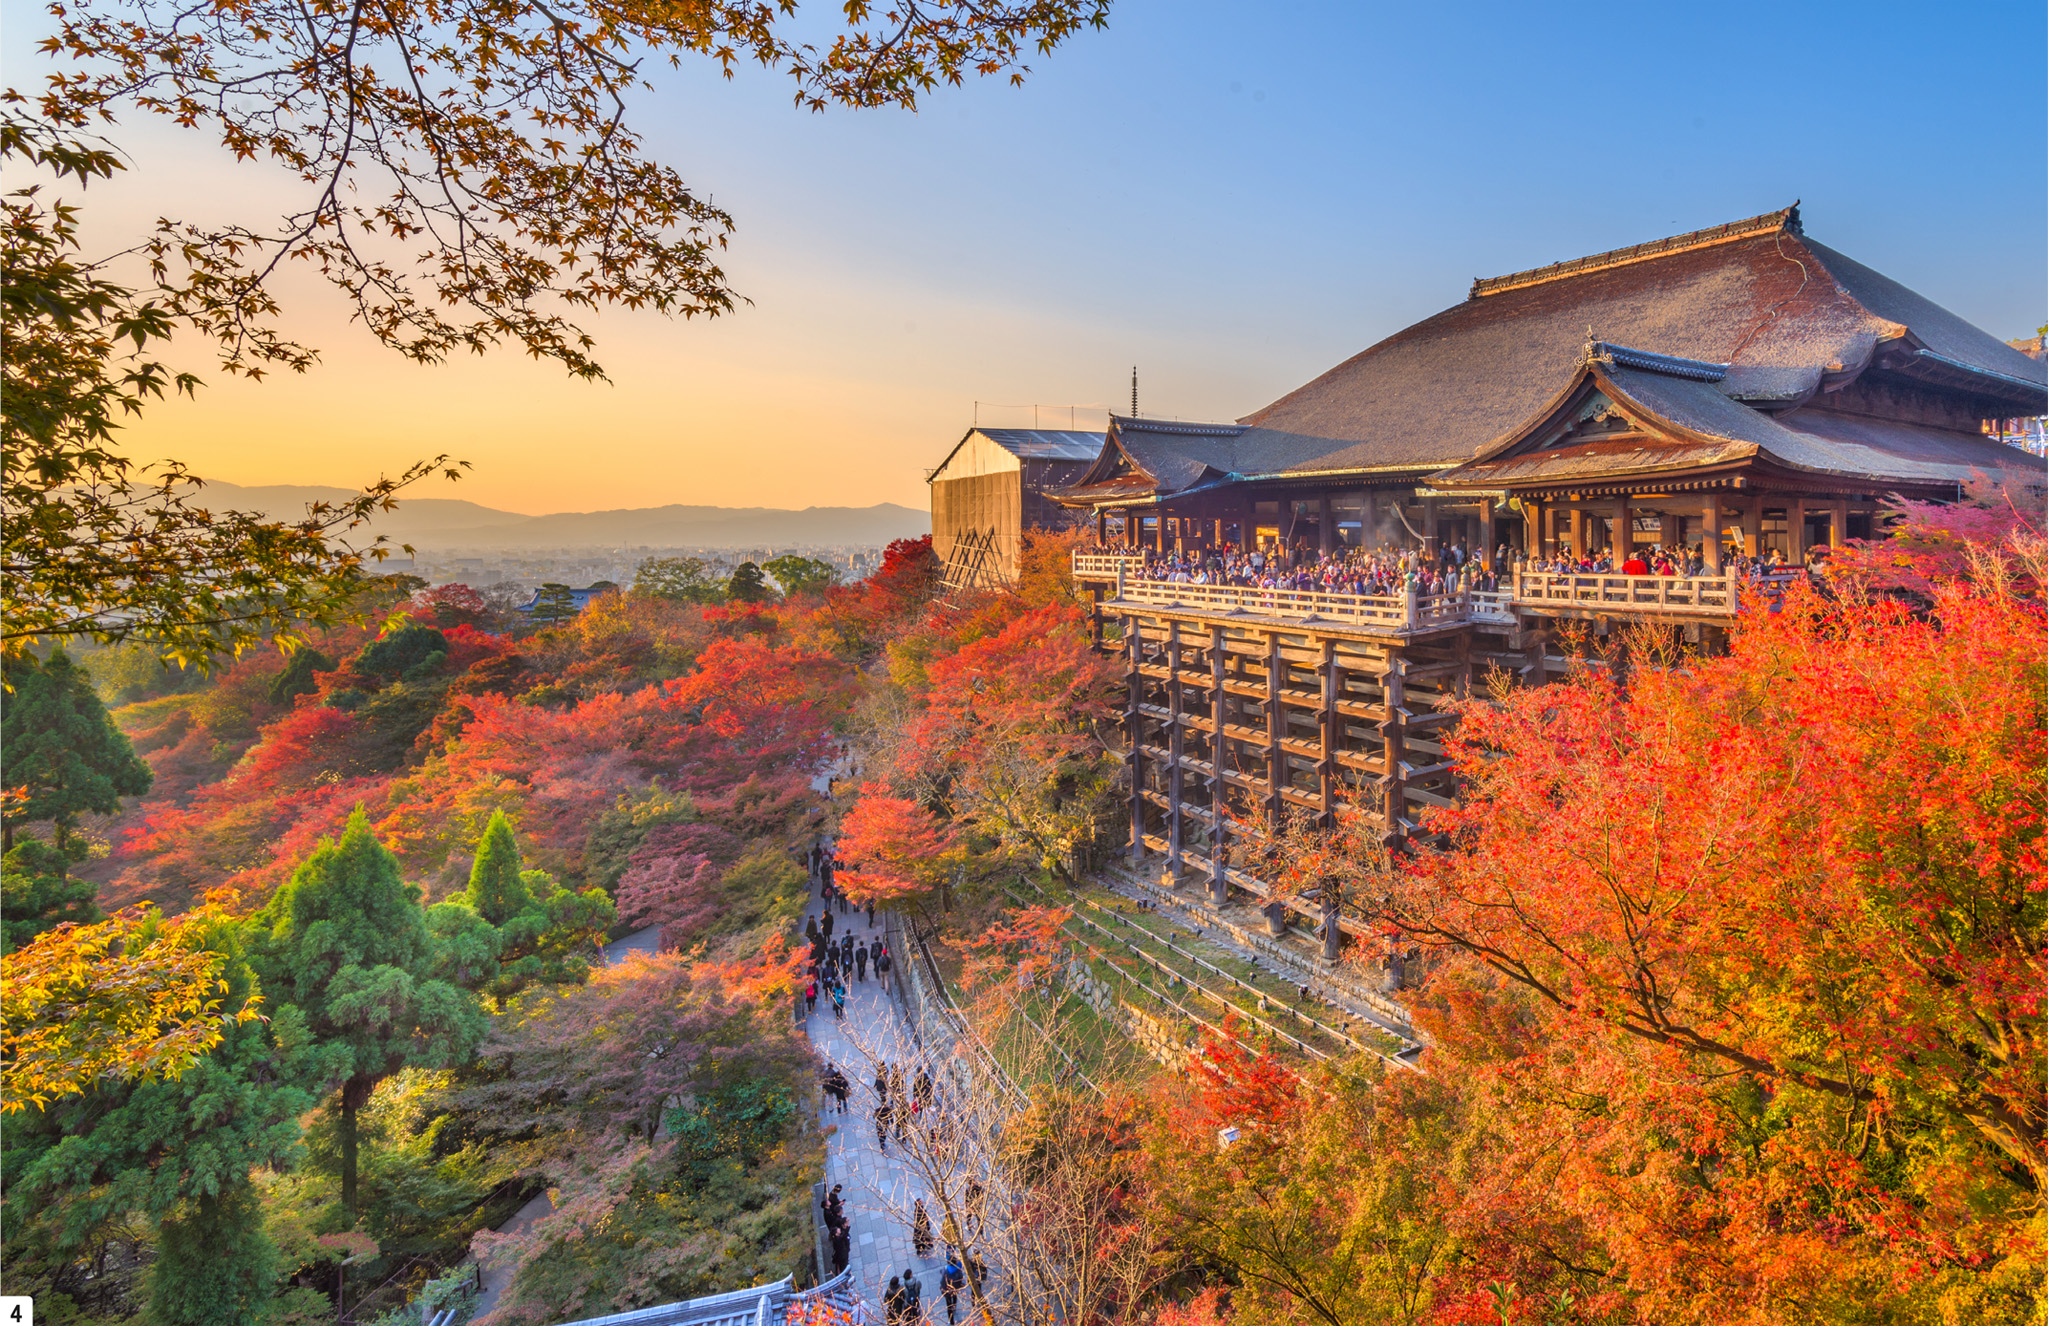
x,y
179,1155
539,931
59,746
553,604
349,946
748,585
36,893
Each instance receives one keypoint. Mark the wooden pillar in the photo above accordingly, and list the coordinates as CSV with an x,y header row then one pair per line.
x,y
1579,537
1710,533
1753,525
1838,523
1276,729
1535,656
1485,550
1101,526
1219,881
1624,538
1132,734
1429,526
1174,749
1326,767
1393,745
1532,528
1095,614
1795,525
1333,910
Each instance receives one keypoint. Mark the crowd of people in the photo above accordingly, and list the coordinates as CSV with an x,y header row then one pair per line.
x,y
902,1101
1389,572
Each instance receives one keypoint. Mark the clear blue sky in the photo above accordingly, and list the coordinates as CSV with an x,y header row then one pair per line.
x,y
1232,197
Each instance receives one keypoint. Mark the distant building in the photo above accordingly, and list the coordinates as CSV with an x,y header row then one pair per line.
x,y
992,486
581,597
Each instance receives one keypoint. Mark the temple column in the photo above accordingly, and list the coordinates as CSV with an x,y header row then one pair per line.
x,y
1485,550
1219,879
1838,523
1133,722
1622,545
1753,526
1429,526
1101,527
1159,530
1710,533
1323,526
1795,526
1276,729
1579,521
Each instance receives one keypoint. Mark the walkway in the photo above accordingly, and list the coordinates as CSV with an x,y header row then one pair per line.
x,y
879,1188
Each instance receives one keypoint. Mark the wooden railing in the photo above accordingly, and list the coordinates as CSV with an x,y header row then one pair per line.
x,y
1714,596
1101,565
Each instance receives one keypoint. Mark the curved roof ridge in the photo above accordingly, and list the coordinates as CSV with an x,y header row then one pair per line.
x,y
1785,218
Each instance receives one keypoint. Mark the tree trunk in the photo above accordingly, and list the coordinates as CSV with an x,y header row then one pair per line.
x,y
355,1093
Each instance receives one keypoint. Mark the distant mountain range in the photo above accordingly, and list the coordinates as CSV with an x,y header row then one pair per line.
x,y
440,522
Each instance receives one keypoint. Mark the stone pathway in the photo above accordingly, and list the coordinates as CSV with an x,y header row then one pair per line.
x,y
879,1188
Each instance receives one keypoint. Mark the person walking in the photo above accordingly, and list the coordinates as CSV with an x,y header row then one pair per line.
x,y
951,1281
846,951
913,1298
892,1302
825,925
834,1206
838,1001
871,913
923,1090
811,995
920,1229
860,963
882,1113
842,1246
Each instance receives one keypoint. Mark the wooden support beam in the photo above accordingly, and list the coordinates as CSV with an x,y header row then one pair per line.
x,y
1133,719
1838,523
1710,533
1753,525
1219,699
1485,548
1795,524
1323,525
1175,750
1393,745
1622,534
1327,768
1580,539
1276,732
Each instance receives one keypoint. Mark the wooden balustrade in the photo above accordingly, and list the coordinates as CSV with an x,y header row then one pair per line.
x,y
1692,596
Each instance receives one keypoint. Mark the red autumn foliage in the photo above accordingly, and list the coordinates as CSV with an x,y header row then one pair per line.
x,y
894,848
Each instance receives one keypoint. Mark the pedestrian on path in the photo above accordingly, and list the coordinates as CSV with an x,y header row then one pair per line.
x,y
882,1125
838,1001
811,995
825,925
913,1297
842,1247
920,1229
860,962
892,1302
924,1090
871,913
884,964
951,1281
846,951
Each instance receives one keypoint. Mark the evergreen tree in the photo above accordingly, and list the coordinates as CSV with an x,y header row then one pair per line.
x,y
59,747
538,931
349,946
747,585
297,677
553,604
36,893
177,1153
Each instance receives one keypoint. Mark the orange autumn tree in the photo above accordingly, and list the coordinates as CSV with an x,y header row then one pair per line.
x,y
895,850
1014,741
1751,957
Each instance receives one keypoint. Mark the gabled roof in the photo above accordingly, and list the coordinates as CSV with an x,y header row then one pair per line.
x,y
1030,444
1684,421
1783,313
1143,458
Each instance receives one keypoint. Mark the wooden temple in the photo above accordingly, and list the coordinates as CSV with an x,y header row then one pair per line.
x,y
1743,389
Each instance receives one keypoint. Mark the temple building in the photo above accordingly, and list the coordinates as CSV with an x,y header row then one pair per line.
x,y
991,487
1743,393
